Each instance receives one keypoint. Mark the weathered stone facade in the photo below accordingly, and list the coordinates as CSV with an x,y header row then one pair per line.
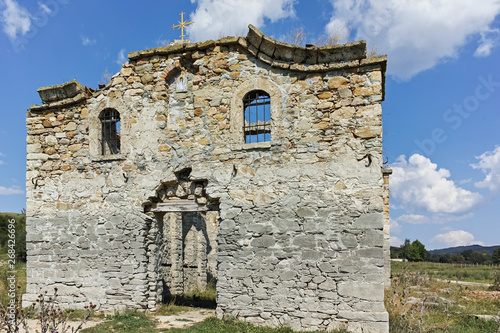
x,y
292,228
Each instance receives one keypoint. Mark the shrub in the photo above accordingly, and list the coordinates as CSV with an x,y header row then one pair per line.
x,y
496,283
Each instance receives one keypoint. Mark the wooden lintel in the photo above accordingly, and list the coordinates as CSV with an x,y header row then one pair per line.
x,y
179,206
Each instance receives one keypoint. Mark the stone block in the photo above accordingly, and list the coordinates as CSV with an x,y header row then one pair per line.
x,y
372,327
267,46
264,241
369,221
254,36
305,212
368,132
305,241
338,82
143,68
362,290
59,92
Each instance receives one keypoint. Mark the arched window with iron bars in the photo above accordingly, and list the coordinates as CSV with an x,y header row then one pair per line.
x,y
110,132
257,116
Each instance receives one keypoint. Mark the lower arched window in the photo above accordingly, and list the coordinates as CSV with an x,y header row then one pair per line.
x,y
257,116
110,132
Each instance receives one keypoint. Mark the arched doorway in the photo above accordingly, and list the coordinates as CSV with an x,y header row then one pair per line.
x,y
181,240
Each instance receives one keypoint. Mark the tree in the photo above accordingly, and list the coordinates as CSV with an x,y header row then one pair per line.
x,y
496,256
406,249
444,258
417,251
456,258
478,258
467,254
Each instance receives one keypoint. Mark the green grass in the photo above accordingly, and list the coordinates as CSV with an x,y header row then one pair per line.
x,y
469,273
209,294
197,298
130,321
213,325
171,309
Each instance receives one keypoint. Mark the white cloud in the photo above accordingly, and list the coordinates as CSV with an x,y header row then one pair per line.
x,y
121,57
16,20
489,163
1,162
339,28
419,184
433,219
10,190
214,19
395,227
87,41
396,242
456,238
464,181
414,219
417,34
488,40
44,8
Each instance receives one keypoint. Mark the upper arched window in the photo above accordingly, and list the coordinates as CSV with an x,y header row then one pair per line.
x,y
257,116
110,132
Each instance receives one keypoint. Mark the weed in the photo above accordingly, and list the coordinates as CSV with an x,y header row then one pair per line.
x,y
50,316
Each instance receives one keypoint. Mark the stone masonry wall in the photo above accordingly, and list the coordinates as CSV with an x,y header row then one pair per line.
x,y
387,230
299,233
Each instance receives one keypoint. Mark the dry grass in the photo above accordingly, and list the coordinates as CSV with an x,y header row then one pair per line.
x,y
419,303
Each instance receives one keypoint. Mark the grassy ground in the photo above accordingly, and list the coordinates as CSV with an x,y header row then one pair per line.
x,y
197,298
133,321
20,270
416,303
419,303
231,326
127,322
460,272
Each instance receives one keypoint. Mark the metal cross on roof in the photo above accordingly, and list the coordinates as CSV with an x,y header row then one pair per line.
x,y
181,25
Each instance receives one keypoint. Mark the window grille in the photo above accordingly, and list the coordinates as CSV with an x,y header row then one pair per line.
x,y
257,118
110,133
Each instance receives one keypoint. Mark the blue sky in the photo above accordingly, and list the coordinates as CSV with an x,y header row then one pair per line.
x,y
441,113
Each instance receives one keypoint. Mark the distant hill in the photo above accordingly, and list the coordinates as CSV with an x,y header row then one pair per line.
x,y
460,249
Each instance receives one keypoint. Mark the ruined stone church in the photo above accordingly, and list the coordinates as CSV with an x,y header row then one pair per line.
x,y
247,161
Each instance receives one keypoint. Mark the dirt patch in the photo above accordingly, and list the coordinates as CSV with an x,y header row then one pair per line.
x,y
482,294
465,283
178,320
184,319
34,325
